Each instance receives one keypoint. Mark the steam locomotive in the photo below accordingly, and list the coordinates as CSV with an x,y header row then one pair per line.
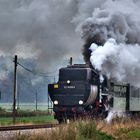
x,y
78,93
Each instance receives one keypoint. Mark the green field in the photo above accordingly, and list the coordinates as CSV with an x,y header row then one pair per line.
x,y
27,120
26,114
25,106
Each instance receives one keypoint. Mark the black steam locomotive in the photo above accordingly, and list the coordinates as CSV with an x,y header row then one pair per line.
x,y
78,93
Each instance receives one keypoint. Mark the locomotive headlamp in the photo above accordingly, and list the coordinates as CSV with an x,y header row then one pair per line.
x,y
55,102
80,102
68,81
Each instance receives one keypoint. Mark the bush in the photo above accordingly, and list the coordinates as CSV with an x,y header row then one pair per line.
x,y
22,113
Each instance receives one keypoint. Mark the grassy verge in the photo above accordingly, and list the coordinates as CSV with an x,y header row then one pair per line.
x,y
122,129
90,130
81,130
129,133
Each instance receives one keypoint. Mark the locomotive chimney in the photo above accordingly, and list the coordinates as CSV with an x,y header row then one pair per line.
x,y
70,61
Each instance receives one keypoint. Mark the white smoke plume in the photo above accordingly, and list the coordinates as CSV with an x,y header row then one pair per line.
x,y
114,28
111,31
118,61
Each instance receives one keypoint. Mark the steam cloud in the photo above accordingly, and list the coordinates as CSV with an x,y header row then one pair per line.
x,y
119,61
44,32
112,33
41,33
40,30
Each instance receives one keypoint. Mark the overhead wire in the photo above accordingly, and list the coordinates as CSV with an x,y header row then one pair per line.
x,y
34,72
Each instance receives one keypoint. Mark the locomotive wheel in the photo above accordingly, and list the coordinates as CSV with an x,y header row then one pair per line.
x,y
60,121
61,118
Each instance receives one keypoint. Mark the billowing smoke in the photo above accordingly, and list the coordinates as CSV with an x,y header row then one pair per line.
x,y
39,29
43,36
112,33
119,61
43,32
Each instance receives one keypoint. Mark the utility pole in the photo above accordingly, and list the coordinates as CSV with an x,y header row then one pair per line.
x,y
18,94
36,99
15,89
0,95
48,105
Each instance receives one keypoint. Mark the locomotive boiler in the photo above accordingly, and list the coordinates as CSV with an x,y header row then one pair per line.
x,y
78,92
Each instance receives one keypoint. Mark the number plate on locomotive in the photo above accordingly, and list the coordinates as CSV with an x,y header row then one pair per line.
x,y
69,86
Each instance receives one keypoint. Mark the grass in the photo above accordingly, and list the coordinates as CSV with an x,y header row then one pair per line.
x,y
122,129
119,129
36,119
27,120
25,116
90,130
129,133
134,133
81,130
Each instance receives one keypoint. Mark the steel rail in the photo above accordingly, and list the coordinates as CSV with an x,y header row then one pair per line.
x,y
24,127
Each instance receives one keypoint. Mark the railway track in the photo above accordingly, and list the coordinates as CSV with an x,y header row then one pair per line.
x,y
25,127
